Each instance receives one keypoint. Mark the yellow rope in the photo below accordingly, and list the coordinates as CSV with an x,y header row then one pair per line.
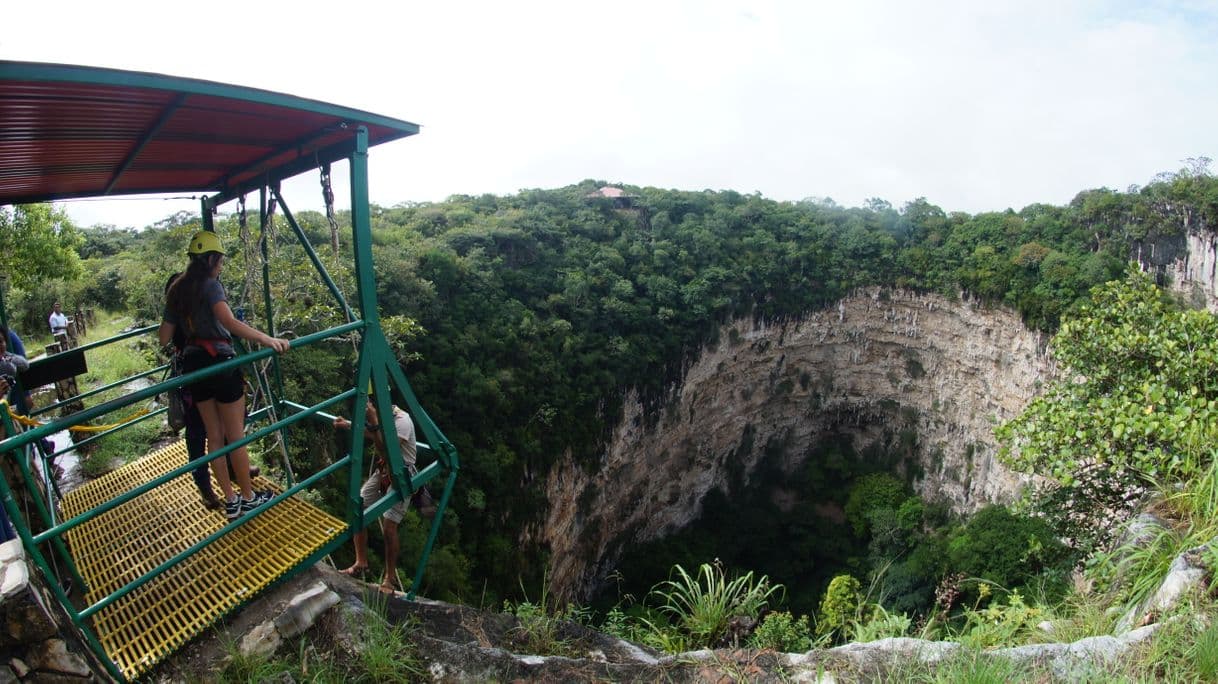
x,y
30,422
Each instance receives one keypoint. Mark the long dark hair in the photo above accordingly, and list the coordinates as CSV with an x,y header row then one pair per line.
x,y
183,293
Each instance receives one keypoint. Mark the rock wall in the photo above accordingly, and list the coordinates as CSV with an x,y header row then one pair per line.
x,y
34,647
877,364
1193,273
1186,261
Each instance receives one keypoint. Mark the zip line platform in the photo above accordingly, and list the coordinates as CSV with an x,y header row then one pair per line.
x,y
148,624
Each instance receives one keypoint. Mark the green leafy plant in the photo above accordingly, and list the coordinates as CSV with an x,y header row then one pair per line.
x,y
839,606
1000,624
1004,548
1138,390
870,493
880,624
537,627
385,653
702,605
781,631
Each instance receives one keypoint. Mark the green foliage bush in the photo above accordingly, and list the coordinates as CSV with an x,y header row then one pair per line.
x,y
839,607
781,631
1138,391
872,492
1000,624
880,624
1003,548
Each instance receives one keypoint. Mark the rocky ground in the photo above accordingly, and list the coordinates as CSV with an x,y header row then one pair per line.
x,y
317,614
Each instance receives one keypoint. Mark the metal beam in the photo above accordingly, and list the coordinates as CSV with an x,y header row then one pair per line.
x,y
144,140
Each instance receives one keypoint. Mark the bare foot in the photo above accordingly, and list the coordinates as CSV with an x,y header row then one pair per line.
x,y
356,571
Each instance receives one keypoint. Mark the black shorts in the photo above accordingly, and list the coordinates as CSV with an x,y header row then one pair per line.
x,y
225,387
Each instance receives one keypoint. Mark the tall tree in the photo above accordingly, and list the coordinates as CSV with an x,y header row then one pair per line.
x,y
37,242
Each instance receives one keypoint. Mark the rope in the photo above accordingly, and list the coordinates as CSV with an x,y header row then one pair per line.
x,y
30,422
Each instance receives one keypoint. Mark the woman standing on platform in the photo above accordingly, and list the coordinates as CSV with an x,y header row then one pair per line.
x,y
196,302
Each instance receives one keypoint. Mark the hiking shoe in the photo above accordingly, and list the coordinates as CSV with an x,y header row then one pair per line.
x,y
255,471
232,509
259,499
211,503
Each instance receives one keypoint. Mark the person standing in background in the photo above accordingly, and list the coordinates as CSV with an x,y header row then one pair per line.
x,y
58,321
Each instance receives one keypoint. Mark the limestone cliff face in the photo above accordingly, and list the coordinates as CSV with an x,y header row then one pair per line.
x,y
1188,260
879,366
1194,271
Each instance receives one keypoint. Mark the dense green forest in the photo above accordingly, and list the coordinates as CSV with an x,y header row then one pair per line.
x,y
523,319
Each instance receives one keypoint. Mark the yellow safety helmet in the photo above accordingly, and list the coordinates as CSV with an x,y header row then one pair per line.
x,y
204,242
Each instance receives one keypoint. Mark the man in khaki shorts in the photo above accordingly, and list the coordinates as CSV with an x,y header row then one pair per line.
x,y
376,486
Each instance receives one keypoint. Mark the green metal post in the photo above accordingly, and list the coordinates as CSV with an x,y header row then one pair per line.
x,y
207,209
439,443
270,309
361,229
361,239
10,506
431,536
36,496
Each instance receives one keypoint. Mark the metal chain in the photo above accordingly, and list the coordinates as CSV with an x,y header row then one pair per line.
x,y
270,235
251,258
327,194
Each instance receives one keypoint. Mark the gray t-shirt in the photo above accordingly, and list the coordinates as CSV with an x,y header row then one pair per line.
x,y
203,323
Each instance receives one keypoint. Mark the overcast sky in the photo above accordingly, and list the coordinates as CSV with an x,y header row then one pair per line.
x,y
975,105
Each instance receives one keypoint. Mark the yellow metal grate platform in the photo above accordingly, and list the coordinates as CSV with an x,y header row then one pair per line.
x,y
145,626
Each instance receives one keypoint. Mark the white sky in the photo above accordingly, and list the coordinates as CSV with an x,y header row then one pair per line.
x,y
975,105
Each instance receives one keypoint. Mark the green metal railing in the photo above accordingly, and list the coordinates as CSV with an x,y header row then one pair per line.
x,y
21,444
377,365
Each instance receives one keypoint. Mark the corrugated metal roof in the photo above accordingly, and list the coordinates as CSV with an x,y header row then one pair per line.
x,y
71,131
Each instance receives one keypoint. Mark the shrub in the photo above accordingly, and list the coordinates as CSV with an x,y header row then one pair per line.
x,y
870,493
1003,548
839,607
702,606
782,632
1001,625
881,624
1137,393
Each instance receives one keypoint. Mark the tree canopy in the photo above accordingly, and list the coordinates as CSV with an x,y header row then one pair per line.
x,y
524,319
1138,390
37,242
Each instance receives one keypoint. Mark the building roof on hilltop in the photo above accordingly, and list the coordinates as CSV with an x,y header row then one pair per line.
x,y
608,191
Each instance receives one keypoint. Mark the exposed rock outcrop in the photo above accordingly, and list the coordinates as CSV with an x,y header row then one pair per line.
x,y
1193,272
1189,262
891,367
454,643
